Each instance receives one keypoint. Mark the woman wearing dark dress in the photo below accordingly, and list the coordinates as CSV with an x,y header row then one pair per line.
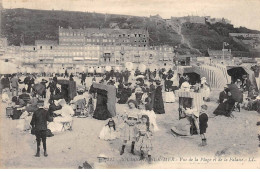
x,y
158,105
125,94
101,112
226,106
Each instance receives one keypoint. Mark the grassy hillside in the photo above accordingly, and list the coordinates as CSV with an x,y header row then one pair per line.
x,y
207,36
40,24
30,25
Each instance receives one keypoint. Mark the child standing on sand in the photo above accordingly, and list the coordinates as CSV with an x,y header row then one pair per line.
x,y
129,132
144,138
90,105
203,124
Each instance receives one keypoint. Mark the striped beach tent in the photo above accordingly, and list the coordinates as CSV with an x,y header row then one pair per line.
x,y
216,77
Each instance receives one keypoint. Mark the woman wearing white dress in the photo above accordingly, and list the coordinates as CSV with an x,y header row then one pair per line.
x,y
66,113
205,89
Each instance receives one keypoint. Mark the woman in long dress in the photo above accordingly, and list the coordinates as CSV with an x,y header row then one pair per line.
x,y
205,89
158,106
169,94
226,107
101,112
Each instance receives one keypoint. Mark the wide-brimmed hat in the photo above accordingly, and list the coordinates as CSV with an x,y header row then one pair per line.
x,y
132,101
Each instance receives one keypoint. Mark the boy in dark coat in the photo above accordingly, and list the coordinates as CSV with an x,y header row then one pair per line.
x,y
39,123
203,124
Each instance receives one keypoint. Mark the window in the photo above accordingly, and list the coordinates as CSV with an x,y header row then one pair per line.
x,y
40,47
51,47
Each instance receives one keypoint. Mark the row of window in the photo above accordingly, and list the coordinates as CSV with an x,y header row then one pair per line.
x,y
95,47
60,52
136,35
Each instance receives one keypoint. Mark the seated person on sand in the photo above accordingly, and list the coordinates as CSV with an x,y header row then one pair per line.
x,y
5,96
194,123
109,131
79,101
252,104
226,103
188,125
32,105
16,102
54,105
25,96
66,113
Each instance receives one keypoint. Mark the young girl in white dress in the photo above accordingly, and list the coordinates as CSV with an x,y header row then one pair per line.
x,y
144,138
109,131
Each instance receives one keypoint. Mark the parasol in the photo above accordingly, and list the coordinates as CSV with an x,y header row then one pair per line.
x,y
90,70
129,65
108,68
139,76
99,70
237,95
117,68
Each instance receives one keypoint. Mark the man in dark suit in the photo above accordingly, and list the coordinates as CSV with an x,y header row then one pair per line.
x,y
39,123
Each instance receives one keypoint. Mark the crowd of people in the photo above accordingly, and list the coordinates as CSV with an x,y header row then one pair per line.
x,y
145,93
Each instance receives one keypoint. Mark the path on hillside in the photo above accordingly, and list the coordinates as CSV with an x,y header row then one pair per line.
x,y
178,30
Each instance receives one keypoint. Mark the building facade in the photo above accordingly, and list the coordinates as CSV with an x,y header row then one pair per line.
x,y
77,48
104,37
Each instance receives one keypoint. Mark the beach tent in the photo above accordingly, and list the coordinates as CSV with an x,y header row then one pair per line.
x,y
237,72
216,78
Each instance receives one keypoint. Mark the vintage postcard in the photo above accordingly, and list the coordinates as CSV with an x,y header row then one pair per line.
x,y
129,84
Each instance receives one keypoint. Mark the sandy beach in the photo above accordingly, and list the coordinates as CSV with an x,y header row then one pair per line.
x,y
232,143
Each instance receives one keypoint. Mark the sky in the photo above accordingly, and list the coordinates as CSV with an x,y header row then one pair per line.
x,y
241,12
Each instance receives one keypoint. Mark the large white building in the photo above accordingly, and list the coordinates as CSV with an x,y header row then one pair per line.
x,y
54,54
